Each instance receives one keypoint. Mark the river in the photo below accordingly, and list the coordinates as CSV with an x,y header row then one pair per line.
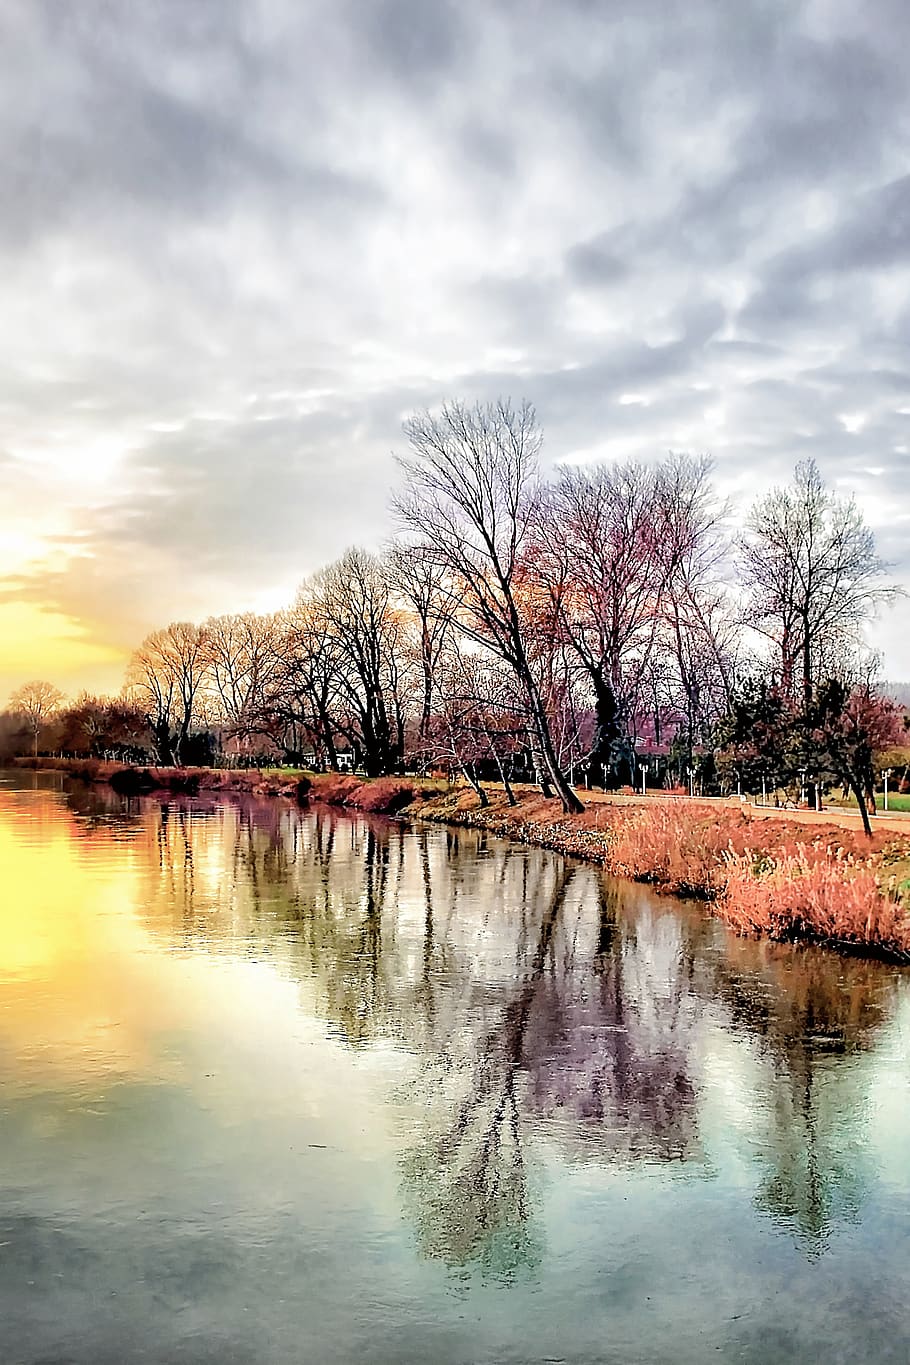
x,y
298,1086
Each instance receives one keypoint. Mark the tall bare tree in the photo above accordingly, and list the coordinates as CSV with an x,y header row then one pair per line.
x,y
241,657
481,722
303,693
354,598
814,576
419,581
36,702
597,559
700,625
166,676
471,478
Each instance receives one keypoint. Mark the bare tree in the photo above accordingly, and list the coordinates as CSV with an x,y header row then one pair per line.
x,y
815,577
354,599
303,693
418,580
700,625
102,726
241,657
36,702
480,721
166,676
471,483
597,560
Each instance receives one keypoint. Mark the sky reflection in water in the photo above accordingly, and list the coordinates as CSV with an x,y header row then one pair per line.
x,y
283,1085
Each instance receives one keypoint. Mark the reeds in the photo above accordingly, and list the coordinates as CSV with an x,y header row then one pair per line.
x,y
761,879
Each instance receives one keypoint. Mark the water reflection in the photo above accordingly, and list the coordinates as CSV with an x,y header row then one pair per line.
x,y
285,1085
543,1003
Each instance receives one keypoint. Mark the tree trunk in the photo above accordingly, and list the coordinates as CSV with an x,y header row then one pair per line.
x,y
180,745
570,802
861,803
607,730
467,769
807,669
161,742
510,795
328,740
540,775
427,705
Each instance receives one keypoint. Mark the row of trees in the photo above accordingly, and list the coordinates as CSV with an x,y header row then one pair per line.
x,y
518,627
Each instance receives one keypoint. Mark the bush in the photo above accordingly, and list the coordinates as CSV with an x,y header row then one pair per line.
x,y
132,781
376,796
334,788
667,844
385,795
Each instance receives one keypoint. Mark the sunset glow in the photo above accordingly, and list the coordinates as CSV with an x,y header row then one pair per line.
x,y
224,292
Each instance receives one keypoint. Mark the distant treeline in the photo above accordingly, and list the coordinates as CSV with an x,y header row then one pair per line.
x,y
607,623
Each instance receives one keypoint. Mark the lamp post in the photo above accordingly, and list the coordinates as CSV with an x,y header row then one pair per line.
x,y
764,790
802,786
644,774
691,772
886,773
739,783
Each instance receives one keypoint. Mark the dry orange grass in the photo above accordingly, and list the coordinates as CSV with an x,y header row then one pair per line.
x,y
828,888
814,892
377,795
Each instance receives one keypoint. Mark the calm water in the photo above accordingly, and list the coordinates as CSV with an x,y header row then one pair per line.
x,y
282,1086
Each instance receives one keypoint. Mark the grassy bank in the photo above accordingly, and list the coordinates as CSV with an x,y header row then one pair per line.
x,y
136,781
378,795
760,874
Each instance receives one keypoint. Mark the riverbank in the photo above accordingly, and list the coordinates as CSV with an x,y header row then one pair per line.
x,y
761,873
293,783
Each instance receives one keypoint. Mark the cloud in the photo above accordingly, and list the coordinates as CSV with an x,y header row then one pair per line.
x,y
240,242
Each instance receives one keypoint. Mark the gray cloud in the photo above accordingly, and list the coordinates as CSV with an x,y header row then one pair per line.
x,y
241,241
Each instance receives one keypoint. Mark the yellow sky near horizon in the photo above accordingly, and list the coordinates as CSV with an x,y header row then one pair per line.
x,y
39,638
38,642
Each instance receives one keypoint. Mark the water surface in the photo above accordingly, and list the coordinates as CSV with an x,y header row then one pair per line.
x,y
282,1085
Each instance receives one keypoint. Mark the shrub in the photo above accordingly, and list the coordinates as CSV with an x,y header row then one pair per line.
x,y
335,788
385,795
132,781
377,795
663,843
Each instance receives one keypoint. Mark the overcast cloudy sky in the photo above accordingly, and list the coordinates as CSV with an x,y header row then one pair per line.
x,y
241,241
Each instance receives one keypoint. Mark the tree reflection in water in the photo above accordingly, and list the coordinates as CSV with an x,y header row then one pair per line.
x,y
465,1180
813,1013
539,996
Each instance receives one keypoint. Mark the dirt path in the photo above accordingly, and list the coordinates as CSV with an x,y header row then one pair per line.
x,y
829,815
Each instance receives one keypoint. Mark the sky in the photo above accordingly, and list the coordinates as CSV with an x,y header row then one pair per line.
x,y
241,242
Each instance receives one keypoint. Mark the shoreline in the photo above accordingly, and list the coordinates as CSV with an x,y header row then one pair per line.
x,y
762,874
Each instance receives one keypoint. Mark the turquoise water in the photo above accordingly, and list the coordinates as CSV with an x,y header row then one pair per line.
x,y
282,1085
